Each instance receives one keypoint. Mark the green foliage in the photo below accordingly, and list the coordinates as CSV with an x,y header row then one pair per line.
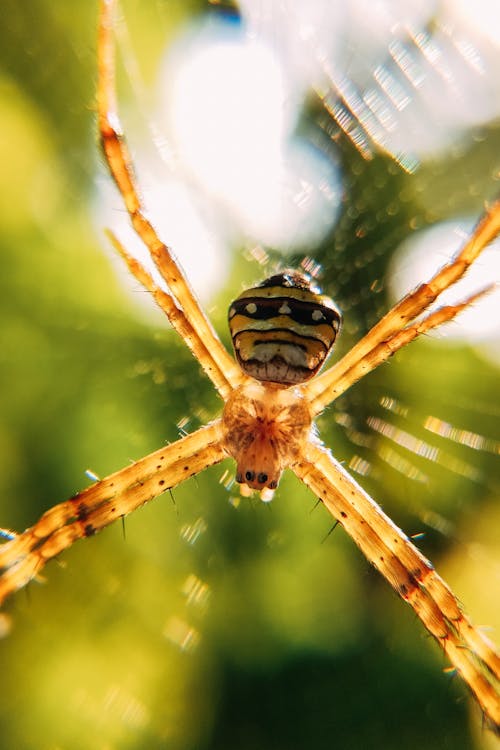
x,y
256,634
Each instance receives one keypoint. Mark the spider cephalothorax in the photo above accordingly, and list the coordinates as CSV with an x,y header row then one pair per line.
x,y
265,426
284,328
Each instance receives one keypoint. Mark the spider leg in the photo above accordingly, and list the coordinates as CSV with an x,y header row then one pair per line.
x,y
118,158
383,351
410,574
322,390
175,316
99,505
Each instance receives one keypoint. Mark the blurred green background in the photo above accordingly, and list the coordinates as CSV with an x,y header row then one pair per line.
x,y
208,623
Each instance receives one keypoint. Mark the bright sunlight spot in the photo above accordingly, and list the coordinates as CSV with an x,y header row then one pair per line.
x,y
177,216
481,15
231,118
234,164
405,77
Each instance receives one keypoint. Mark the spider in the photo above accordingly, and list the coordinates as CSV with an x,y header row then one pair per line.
x,y
282,332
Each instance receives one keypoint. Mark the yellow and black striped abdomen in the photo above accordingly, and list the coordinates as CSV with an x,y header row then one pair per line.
x,y
283,329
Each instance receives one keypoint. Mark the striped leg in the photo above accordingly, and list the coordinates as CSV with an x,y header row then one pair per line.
x,y
215,359
176,317
391,332
410,574
342,379
105,501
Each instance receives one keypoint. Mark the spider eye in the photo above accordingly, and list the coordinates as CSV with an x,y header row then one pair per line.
x,y
239,477
272,485
250,476
262,478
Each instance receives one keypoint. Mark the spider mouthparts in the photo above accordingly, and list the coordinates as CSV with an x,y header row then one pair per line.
x,y
266,495
246,491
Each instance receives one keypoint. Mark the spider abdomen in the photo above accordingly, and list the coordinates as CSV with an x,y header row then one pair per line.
x,y
283,329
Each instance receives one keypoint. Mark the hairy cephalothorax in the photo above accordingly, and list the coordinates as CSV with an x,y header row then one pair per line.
x,y
282,331
265,428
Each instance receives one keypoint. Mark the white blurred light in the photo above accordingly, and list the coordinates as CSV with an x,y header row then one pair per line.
x,y
409,76
481,15
201,251
231,102
226,111
418,259
230,167
231,121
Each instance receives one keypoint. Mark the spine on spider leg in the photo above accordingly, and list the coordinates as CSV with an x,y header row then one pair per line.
x,y
350,369
121,168
485,231
323,389
408,572
476,641
412,559
102,503
177,320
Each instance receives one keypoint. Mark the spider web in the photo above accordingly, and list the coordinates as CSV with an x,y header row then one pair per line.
x,y
215,626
